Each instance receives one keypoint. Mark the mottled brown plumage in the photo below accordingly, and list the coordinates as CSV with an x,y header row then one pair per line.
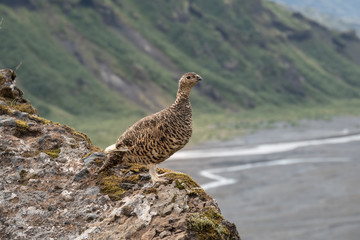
x,y
155,138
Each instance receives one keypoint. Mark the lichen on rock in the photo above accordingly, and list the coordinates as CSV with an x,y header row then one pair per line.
x,y
50,189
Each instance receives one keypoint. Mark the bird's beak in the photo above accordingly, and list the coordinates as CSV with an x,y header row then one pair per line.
x,y
198,78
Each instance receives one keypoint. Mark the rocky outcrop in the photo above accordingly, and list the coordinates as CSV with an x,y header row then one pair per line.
x,y
49,188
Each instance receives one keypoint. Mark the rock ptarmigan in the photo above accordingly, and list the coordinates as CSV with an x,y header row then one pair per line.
x,y
154,138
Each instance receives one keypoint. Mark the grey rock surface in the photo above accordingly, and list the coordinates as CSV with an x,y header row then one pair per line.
x,y
50,188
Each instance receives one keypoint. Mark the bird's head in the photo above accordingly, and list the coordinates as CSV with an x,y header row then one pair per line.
x,y
188,80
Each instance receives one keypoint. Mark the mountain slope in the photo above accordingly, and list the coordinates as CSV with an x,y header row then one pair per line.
x,y
100,61
336,14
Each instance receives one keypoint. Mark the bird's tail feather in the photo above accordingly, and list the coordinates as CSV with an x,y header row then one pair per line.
x,y
113,148
110,148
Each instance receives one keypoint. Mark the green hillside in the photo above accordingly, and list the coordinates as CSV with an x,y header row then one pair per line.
x,y
100,65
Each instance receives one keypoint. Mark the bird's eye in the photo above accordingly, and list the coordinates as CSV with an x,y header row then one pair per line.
x,y
188,77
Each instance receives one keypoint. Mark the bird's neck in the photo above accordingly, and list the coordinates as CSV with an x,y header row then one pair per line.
x,y
182,96
182,102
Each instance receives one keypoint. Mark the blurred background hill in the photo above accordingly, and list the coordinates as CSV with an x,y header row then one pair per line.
x,y
339,14
100,65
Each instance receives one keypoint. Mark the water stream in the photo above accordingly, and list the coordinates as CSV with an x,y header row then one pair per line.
x,y
213,174
269,148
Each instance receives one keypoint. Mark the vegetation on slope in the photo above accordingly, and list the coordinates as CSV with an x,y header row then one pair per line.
x,y
96,62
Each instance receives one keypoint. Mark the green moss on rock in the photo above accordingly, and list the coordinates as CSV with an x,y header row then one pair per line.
x,y
208,225
212,214
179,184
54,153
136,168
40,119
111,185
183,181
22,126
25,107
4,109
131,179
181,178
203,227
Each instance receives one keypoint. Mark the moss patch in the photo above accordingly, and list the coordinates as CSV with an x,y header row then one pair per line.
x,y
136,168
130,179
116,186
40,119
199,192
111,185
208,225
25,107
184,181
202,226
181,178
5,109
212,214
54,153
22,127
179,184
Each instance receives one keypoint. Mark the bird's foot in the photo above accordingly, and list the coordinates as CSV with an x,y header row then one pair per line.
x,y
155,178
